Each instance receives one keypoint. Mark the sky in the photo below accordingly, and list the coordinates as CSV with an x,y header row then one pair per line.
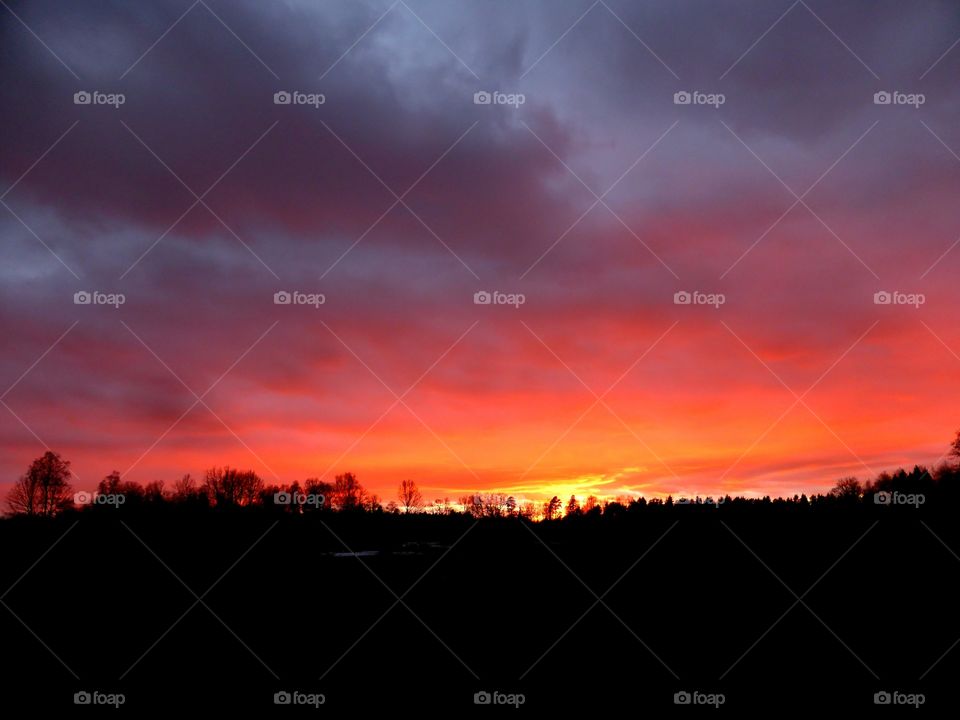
x,y
583,198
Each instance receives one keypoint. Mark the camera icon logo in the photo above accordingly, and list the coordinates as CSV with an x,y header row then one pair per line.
x,y
882,297
282,298
882,98
82,698
482,297
682,97
82,297
83,498
282,498
282,698
482,97
682,297
282,98
682,698
482,698
82,98
882,498
882,698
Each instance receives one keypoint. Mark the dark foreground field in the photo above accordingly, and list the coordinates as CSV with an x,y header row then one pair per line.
x,y
775,609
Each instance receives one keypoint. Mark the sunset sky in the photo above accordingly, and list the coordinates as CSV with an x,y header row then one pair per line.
x,y
399,197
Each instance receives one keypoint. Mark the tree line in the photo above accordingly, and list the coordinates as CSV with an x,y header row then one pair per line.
x,y
45,490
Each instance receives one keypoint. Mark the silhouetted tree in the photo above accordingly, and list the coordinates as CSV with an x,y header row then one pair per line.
x,y
184,487
348,493
614,509
153,492
485,504
471,505
573,506
228,487
495,504
955,448
371,504
848,488
186,491
132,492
44,489
409,495
110,485
551,508
317,488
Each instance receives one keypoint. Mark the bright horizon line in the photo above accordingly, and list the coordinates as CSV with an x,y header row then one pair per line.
x,y
658,487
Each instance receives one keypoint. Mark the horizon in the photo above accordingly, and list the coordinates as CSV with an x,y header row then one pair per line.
x,y
45,490
433,496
